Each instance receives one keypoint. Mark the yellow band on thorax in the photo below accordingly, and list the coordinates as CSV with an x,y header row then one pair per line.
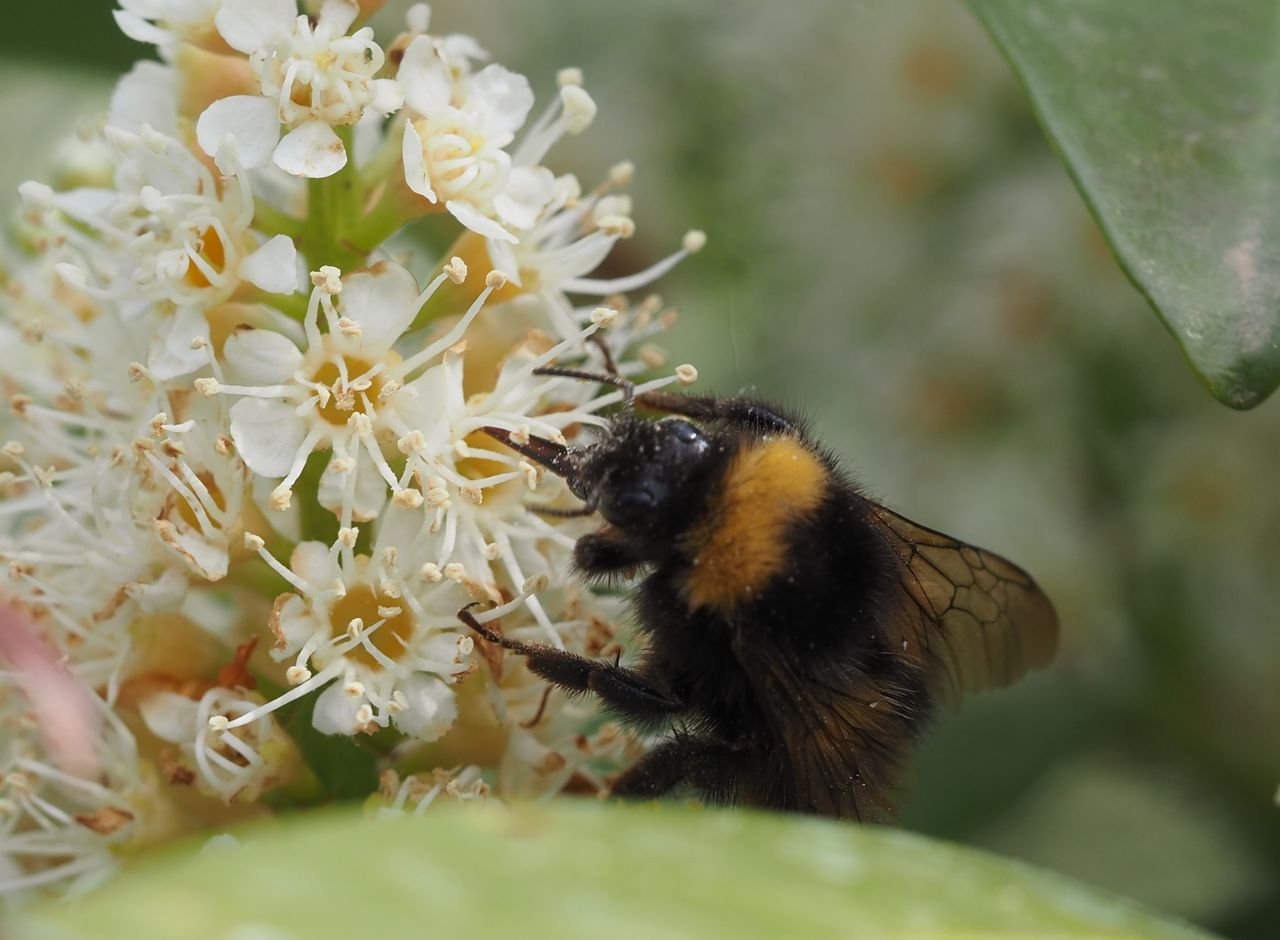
x,y
740,544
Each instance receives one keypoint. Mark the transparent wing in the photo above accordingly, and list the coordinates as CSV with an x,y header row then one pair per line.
x,y
968,617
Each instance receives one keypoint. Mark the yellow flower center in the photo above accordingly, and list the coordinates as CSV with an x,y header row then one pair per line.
x,y
187,514
211,249
348,395
363,603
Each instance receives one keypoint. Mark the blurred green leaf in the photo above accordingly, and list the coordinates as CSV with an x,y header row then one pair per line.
x,y
582,870
1167,117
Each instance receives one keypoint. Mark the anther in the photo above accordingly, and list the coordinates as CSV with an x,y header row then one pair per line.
x,y
328,279
694,241
456,269
566,77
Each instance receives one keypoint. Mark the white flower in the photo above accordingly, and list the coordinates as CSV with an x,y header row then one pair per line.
x,y
342,393
234,765
458,127
147,96
62,831
201,518
171,243
313,76
571,238
383,638
414,795
92,565
165,23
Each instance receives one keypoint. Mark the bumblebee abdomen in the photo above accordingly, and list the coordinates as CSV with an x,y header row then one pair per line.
x,y
742,541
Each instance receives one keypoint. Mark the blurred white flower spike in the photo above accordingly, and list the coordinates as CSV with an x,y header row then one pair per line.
x,y
245,484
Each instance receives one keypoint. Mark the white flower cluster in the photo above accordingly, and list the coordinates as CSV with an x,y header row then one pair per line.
x,y
244,481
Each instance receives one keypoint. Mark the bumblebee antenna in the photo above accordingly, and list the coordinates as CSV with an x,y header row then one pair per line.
x,y
611,375
617,381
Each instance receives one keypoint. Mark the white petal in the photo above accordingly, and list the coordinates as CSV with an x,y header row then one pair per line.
x,y
459,50
171,352
147,95
260,357
311,150
477,221
383,300
267,434
415,167
338,15
139,30
503,96
503,258
370,493
528,190
163,594
273,266
292,624
424,78
288,522
207,559
432,707
247,25
313,562
170,716
335,711
427,406
250,121
385,96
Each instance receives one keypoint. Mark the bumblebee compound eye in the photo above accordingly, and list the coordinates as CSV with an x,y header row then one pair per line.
x,y
683,431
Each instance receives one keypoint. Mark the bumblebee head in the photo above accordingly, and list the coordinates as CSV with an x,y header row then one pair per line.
x,y
643,476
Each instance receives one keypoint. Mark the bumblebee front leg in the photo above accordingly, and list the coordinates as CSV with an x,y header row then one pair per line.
x,y
625,691
600,553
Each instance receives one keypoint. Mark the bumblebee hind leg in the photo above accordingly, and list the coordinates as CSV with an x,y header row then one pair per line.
x,y
711,767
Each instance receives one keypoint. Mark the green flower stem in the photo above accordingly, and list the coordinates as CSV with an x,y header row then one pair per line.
x,y
384,165
381,222
333,206
271,221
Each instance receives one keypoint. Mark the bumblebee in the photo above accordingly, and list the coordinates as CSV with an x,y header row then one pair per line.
x,y
797,634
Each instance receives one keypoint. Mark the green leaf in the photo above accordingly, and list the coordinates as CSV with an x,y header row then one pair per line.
x,y
343,769
1168,118
567,870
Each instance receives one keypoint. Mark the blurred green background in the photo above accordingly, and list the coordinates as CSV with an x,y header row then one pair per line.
x,y
894,247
